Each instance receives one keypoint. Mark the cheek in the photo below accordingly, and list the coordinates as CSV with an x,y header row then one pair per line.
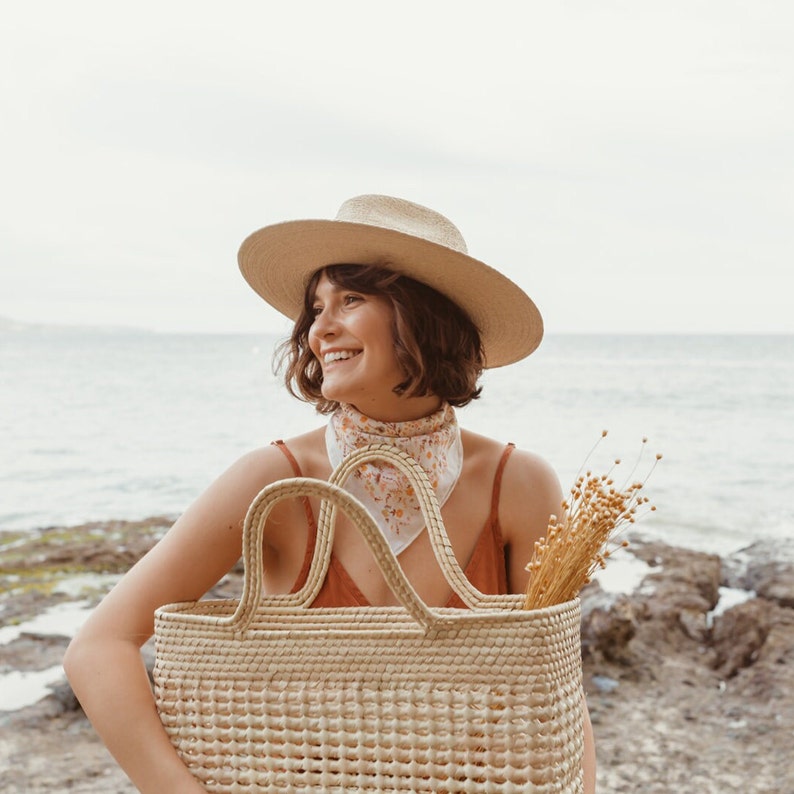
x,y
388,356
313,342
389,343
380,331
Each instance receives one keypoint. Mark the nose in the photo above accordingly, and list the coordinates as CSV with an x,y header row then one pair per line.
x,y
325,323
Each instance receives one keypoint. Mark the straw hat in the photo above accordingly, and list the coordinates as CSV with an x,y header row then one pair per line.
x,y
279,260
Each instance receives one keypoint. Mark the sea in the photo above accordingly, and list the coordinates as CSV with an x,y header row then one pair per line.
x,y
102,424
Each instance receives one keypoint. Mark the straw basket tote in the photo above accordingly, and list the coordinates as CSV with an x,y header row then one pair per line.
x,y
266,694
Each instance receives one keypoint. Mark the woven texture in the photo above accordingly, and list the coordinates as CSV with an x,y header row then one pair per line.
x,y
267,694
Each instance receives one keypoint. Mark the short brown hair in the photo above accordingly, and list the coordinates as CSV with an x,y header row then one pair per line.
x,y
437,345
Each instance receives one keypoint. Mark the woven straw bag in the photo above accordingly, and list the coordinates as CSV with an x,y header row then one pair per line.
x,y
266,694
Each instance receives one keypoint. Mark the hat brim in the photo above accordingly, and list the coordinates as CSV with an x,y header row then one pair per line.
x,y
279,260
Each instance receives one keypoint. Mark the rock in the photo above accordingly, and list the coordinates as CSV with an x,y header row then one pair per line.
x,y
770,677
32,651
773,580
673,606
608,628
64,698
738,635
779,646
696,707
603,683
766,567
689,579
694,622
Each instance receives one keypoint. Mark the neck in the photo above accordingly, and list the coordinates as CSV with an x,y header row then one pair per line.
x,y
432,440
405,409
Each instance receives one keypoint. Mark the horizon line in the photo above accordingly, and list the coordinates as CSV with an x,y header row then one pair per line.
x,y
12,325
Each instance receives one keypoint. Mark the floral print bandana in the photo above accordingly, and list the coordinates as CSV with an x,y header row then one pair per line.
x,y
434,441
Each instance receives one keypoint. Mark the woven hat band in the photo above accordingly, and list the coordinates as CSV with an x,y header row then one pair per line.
x,y
403,216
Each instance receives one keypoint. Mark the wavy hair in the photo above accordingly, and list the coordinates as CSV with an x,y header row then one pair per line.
x,y
438,347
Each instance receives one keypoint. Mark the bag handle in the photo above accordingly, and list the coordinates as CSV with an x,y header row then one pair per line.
x,y
333,497
253,537
428,504
431,512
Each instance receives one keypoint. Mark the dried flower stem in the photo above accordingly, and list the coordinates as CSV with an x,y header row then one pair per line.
x,y
580,542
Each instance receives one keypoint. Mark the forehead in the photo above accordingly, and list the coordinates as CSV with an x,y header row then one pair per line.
x,y
324,285
325,282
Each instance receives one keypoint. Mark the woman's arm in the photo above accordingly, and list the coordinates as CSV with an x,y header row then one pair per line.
x,y
531,493
103,662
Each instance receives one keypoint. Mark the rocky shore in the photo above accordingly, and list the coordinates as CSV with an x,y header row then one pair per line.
x,y
689,677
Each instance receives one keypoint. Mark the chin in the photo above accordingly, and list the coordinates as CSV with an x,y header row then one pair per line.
x,y
337,395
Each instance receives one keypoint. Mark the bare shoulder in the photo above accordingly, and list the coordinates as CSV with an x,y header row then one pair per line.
x,y
226,500
270,463
255,469
531,474
309,451
530,496
525,472
531,492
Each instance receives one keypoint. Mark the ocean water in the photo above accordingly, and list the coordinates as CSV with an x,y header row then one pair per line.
x,y
98,424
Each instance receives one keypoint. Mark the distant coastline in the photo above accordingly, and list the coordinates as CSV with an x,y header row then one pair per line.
x,y
11,325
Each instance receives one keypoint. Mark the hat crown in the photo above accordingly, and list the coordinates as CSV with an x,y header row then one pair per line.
x,y
403,216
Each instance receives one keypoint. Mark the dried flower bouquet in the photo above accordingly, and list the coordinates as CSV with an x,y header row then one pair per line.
x,y
579,543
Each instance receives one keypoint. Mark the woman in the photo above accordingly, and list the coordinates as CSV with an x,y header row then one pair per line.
x,y
394,323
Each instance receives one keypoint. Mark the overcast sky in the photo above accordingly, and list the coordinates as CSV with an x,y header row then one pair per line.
x,y
630,164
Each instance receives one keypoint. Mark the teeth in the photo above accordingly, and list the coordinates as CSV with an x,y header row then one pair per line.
x,y
339,355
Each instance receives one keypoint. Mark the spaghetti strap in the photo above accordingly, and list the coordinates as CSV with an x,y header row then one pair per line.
x,y
497,484
307,509
289,456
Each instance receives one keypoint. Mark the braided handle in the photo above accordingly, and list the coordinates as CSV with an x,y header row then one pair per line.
x,y
333,496
428,504
253,537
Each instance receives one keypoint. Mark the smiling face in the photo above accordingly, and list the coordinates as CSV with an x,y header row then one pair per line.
x,y
432,343
351,336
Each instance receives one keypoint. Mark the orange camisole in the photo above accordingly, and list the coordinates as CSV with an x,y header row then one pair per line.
x,y
486,569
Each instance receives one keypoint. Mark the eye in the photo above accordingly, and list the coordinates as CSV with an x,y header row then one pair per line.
x,y
352,298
